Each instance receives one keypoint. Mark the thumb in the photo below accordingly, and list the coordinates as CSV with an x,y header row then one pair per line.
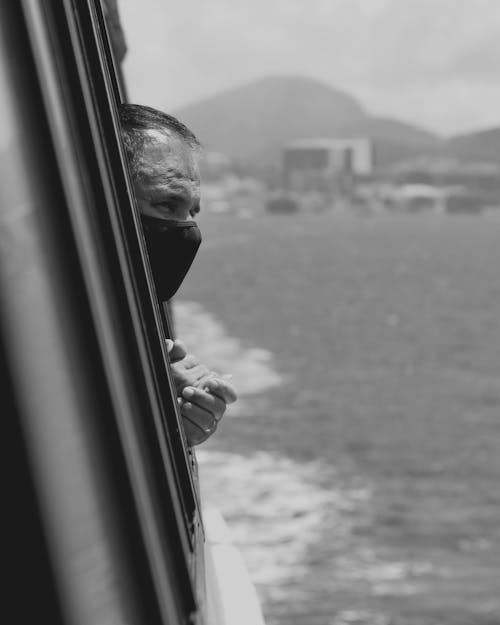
x,y
178,351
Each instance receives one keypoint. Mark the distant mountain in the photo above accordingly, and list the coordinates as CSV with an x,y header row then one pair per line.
x,y
247,121
252,123
475,146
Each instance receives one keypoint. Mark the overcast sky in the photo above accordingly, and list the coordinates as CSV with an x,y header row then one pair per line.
x,y
435,63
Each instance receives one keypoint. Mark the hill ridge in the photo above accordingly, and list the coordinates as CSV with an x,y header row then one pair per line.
x,y
251,122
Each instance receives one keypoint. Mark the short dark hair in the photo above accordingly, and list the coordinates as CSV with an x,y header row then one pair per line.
x,y
136,119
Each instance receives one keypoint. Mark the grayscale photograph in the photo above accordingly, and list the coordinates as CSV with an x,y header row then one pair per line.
x,y
250,311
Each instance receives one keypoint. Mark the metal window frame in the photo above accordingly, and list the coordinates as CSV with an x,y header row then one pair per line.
x,y
71,112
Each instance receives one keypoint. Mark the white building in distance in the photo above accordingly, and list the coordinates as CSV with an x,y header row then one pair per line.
x,y
353,155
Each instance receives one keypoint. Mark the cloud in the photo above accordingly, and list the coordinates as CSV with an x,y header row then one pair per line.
x,y
480,61
181,51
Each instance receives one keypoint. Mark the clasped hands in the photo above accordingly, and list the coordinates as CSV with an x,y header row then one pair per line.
x,y
203,395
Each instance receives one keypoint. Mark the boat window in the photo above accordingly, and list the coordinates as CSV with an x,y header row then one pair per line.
x,y
82,334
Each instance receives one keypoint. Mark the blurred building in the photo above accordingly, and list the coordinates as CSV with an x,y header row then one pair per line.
x,y
328,166
468,186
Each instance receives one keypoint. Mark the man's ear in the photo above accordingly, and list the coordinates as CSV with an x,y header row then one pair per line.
x,y
195,210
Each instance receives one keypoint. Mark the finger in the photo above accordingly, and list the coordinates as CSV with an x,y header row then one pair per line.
x,y
221,388
178,344
197,373
178,350
187,377
204,419
190,361
209,375
205,401
195,432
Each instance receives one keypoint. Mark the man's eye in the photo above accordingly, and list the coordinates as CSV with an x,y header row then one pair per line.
x,y
168,205
170,202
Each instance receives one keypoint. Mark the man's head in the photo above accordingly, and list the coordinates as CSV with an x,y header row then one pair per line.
x,y
163,159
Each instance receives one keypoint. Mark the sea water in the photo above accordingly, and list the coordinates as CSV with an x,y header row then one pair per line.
x,y
360,470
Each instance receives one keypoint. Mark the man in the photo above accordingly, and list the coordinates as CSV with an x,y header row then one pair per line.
x,y
163,159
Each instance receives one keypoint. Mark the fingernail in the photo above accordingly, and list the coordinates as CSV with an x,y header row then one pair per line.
x,y
170,344
188,391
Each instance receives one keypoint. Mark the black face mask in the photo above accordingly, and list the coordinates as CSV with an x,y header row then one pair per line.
x,y
172,246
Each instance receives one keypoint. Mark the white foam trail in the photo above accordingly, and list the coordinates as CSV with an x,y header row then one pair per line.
x,y
277,509
253,368
273,506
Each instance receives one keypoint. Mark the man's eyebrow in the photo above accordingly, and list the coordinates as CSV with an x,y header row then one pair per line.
x,y
169,194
